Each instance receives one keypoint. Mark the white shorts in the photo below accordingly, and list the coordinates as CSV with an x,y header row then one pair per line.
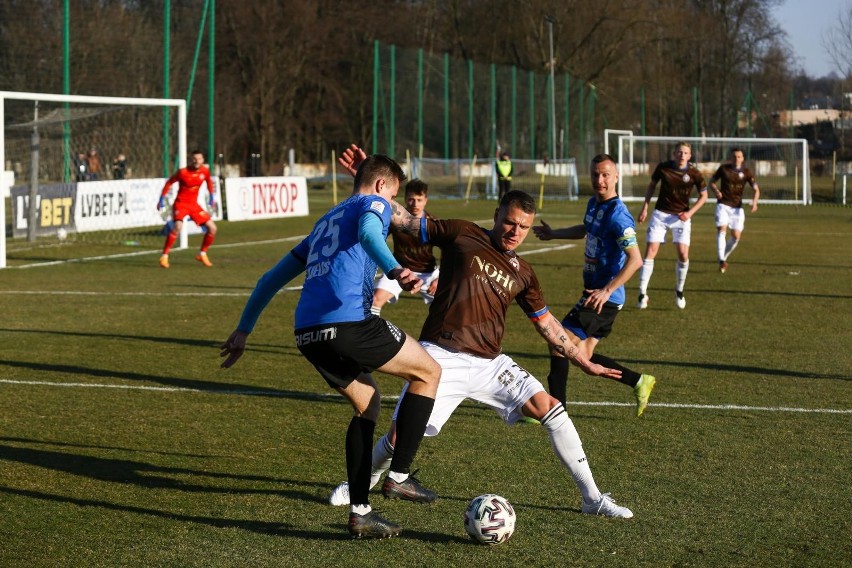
x,y
732,217
499,383
393,287
662,222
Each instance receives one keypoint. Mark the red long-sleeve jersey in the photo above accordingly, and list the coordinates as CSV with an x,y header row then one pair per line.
x,y
189,183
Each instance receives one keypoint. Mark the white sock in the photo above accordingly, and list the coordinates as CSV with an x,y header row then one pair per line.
x,y
681,268
730,246
382,455
376,311
720,245
645,275
569,449
360,509
397,476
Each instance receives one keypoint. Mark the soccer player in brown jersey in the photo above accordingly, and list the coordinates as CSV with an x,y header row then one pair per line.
x,y
729,206
410,252
677,177
481,275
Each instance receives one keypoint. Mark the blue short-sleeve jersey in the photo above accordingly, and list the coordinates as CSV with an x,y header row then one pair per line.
x,y
338,272
610,230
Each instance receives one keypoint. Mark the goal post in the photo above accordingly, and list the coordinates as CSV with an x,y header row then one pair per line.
x,y
42,136
780,165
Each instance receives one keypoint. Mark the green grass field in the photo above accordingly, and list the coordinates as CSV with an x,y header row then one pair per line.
x,y
122,443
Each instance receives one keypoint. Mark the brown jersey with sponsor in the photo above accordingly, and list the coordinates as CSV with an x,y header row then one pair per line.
x,y
478,282
733,183
676,186
411,252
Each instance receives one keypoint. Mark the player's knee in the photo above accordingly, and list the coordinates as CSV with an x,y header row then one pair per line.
x,y
539,405
432,372
425,376
371,410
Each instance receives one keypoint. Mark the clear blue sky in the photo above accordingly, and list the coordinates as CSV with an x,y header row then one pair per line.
x,y
806,22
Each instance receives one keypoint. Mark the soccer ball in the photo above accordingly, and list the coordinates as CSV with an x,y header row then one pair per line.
x,y
489,519
61,233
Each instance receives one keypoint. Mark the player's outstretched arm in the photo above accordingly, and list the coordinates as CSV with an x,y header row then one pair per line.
x,y
267,286
564,343
545,232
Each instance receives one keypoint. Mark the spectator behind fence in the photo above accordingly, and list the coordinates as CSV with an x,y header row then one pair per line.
x,y
95,167
119,167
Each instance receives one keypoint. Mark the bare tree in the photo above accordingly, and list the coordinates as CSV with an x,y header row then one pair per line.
x,y
837,41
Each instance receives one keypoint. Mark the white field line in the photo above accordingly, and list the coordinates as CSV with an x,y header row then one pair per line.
x,y
228,245
273,393
107,293
154,251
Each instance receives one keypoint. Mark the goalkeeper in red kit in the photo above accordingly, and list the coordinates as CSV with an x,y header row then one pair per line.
x,y
189,181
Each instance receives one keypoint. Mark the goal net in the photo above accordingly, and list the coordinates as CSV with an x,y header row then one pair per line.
x,y
477,178
780,165
95,167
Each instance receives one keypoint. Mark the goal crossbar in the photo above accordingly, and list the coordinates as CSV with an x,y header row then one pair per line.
x,y
626,159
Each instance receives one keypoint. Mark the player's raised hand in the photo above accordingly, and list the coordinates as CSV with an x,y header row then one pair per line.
x,y
543,231
351,158
233,348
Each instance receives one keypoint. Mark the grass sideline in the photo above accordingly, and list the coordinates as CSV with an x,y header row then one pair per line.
x,y
123,444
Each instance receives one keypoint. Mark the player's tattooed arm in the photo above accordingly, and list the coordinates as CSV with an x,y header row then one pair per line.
x,y
403,220
564,343
551,330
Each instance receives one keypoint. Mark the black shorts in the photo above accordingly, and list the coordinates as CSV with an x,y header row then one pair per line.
x,y
342,351
585,322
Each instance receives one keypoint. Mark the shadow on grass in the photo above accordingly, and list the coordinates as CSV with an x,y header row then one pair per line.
x,y
150,476
210,387
262,527
747,369
169,340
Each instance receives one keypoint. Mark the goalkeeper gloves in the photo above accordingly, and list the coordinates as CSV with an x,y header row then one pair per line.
x,y
211,202
162,202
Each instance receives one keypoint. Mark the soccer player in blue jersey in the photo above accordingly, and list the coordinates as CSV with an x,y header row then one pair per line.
x,y
611,258
336,332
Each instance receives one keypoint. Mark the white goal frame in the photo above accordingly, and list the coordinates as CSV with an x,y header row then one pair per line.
x,y
179,104
805,198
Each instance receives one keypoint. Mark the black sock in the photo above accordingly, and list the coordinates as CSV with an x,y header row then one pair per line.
x,y
359,459
628,376
414,412
557,379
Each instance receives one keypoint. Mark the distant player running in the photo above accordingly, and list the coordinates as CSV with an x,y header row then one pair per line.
x,y
189,181
677,177
729,206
